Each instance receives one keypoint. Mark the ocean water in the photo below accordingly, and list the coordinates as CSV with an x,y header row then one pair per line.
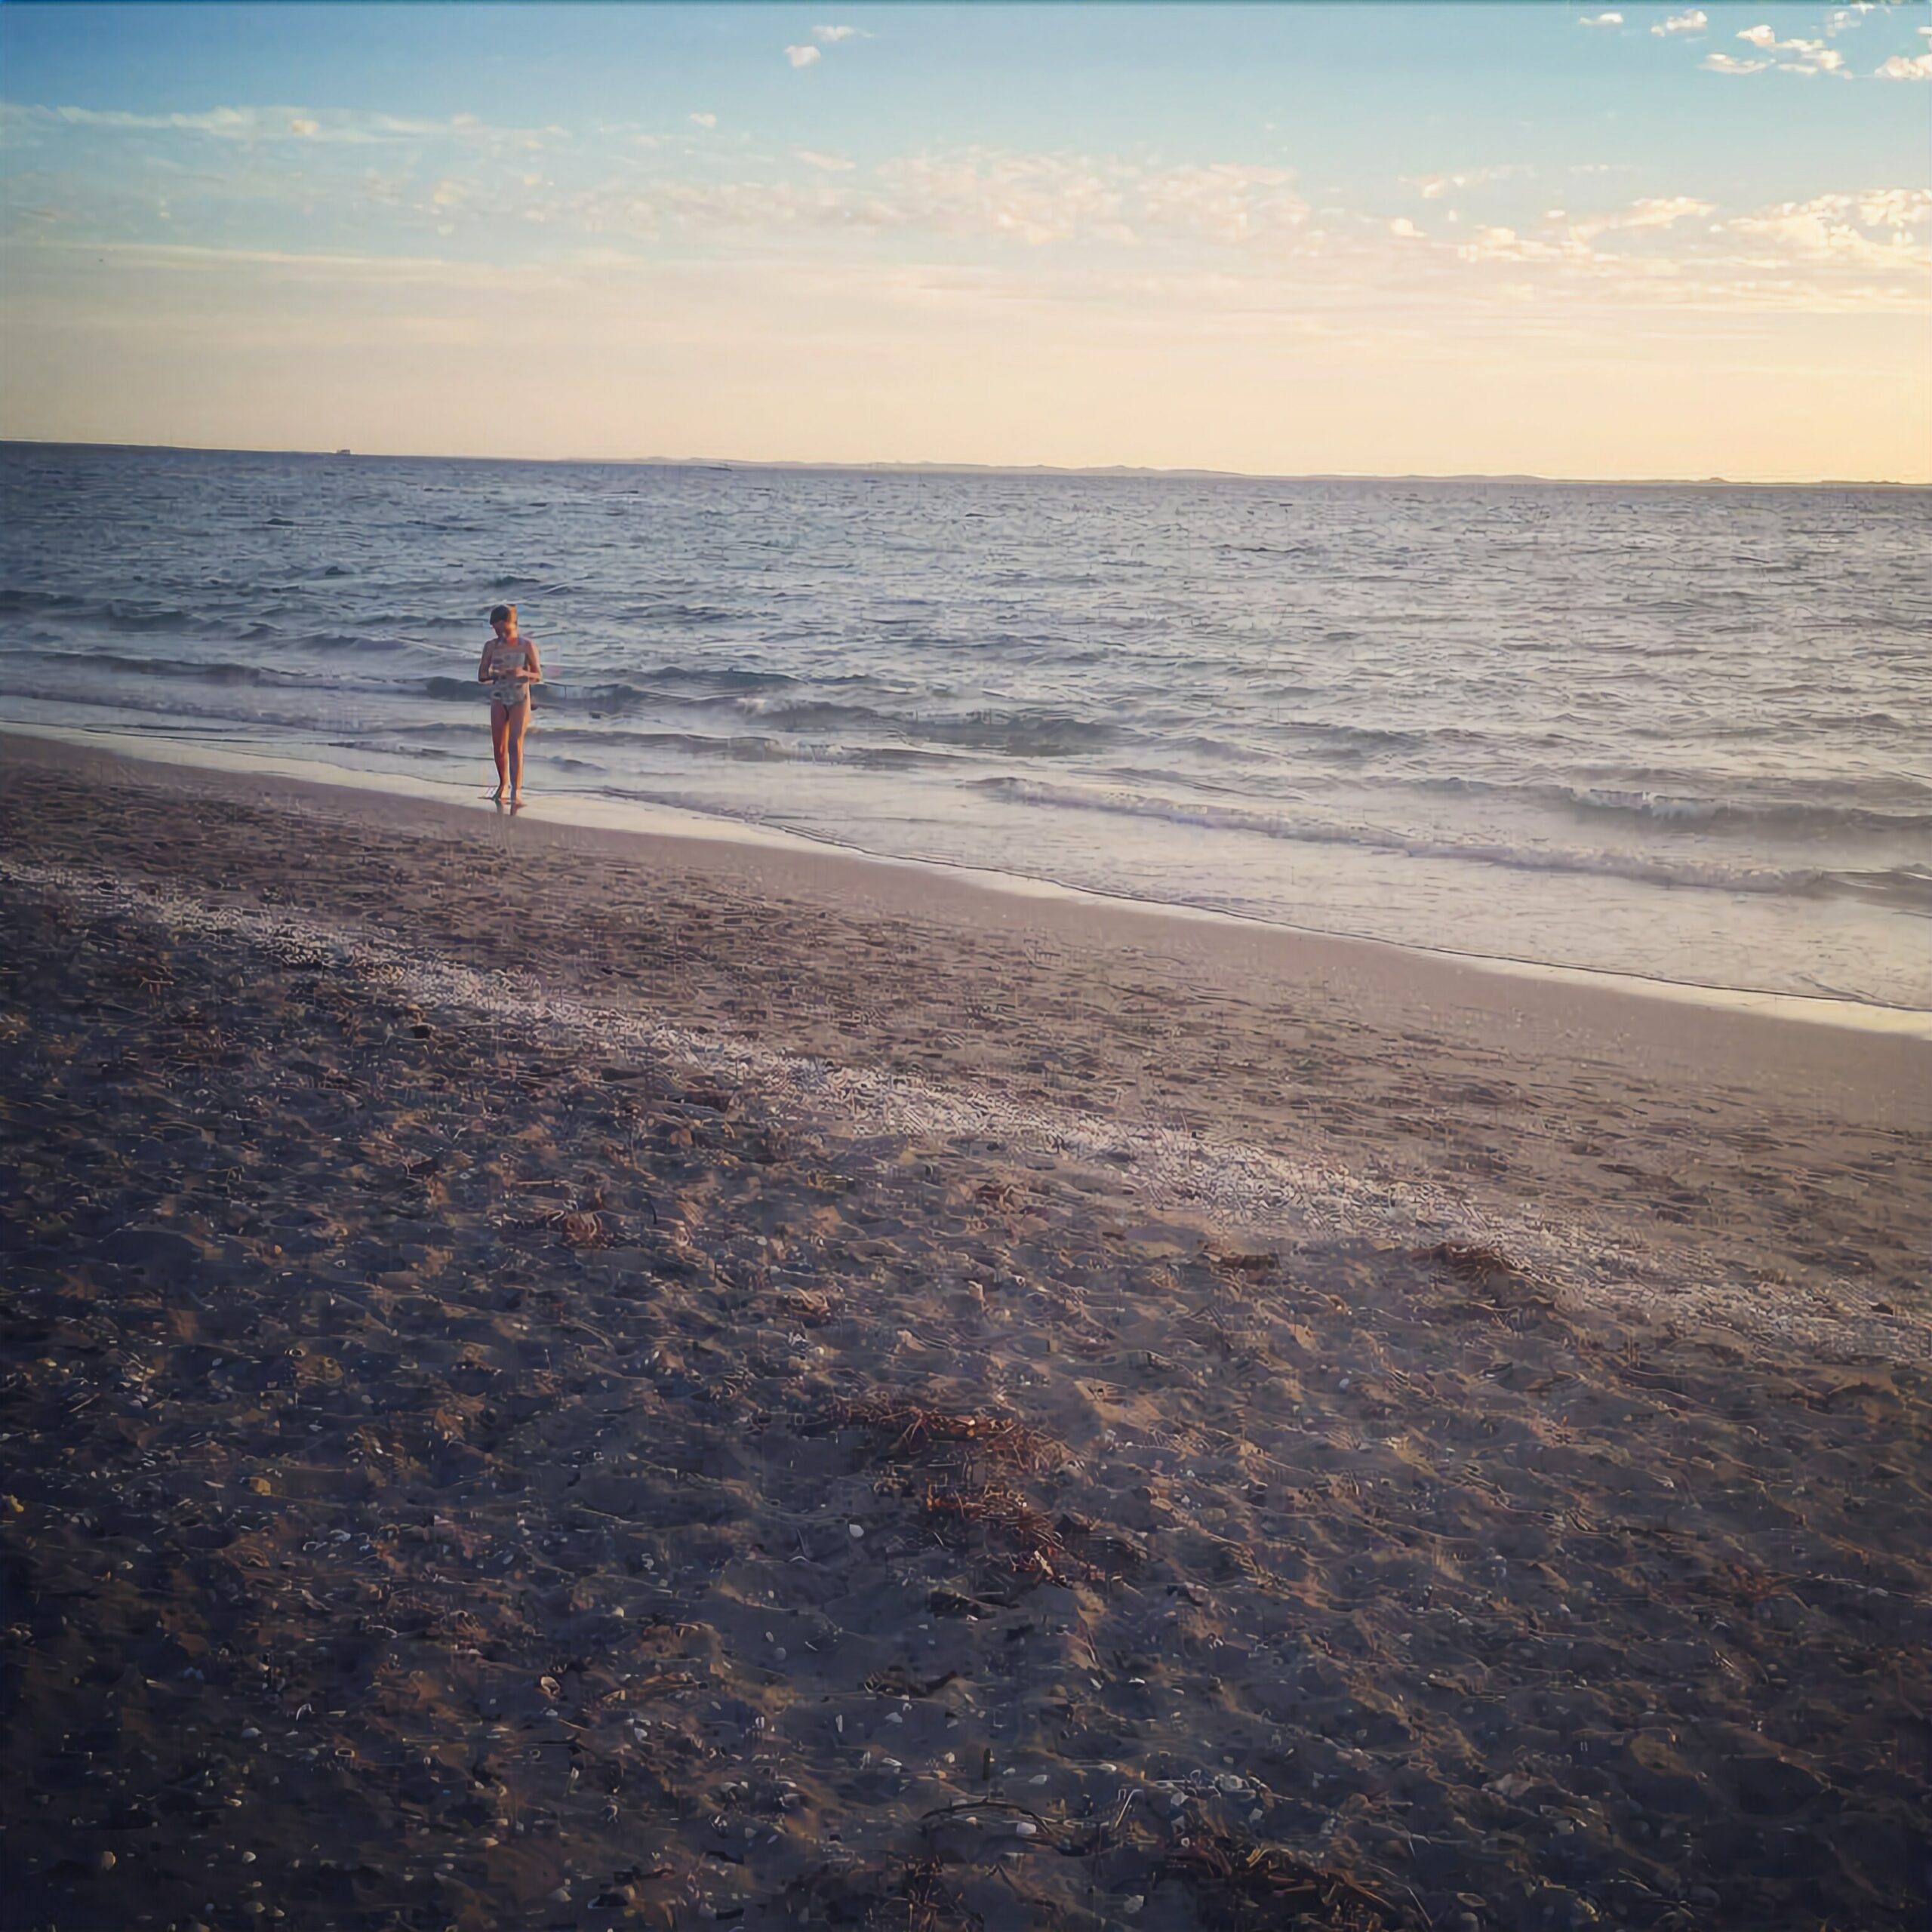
x,y
1682,732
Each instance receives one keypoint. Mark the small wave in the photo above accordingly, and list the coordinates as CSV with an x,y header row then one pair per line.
x,y
563,694
675,613
722,677
117,615
1793,817
738,747
1906,888
202,670
1788,816
336,642
210,671
25,603
460,690
1018,734
1318,738
1688,873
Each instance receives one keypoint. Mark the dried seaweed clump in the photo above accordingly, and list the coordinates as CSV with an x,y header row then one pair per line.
x,y
1479,1266
914,1899
901,1431
1036,1548
1497,1286
1247,1887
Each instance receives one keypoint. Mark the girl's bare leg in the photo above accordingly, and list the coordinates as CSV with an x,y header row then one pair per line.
x,y
500,733
518,724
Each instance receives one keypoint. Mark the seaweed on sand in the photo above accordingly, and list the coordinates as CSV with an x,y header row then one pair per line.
x,y
1035,1550
901,1431
1247,1887
1498,1286
914,1899
1479,1266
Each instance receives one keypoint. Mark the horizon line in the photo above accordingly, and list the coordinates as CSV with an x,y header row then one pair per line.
x,y
942,467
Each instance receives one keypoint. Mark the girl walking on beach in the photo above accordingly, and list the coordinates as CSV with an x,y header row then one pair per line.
x,y
509,665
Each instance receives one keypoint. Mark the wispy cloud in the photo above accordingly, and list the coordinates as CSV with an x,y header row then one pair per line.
x,y
1067,213
1835,228
1695,21
1600,20
1659,211
831,36
1813,57
1851,253
1724,63
1433,187
435,270
803,57
1039,198
352,128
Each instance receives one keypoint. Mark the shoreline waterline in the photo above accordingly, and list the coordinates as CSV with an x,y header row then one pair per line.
x,y
588,812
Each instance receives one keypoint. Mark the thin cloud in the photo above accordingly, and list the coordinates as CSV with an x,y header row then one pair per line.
x,y
703,120
1813,56
1723,64
1433,187
435,270
353,129
1904,67
1693,21
803,57
1662,211
1039,200
1600,20
831,36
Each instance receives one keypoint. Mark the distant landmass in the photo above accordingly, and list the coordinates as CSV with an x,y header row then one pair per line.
x,y
941,469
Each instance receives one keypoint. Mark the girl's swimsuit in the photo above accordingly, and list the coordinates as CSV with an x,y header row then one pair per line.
x,y
510,692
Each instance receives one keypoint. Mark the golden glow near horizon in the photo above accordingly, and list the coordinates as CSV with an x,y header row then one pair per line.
x,y
835,286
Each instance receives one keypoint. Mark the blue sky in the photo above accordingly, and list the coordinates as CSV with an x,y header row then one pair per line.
x,y
1594,240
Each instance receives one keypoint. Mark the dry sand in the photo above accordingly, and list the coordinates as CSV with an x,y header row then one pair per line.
x,y
555,1378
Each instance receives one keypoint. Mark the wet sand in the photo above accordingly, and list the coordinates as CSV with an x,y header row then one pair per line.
x,y
556,1378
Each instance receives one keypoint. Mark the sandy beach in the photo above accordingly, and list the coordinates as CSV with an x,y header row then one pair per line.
x,y
555,1377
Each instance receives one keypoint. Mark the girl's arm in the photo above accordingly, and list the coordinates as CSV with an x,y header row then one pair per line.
x,y
483,662
534,670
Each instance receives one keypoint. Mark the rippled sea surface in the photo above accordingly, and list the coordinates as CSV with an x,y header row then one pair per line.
x,y
1684,732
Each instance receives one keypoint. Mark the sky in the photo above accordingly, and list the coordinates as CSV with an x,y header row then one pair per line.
x,y
1606,240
